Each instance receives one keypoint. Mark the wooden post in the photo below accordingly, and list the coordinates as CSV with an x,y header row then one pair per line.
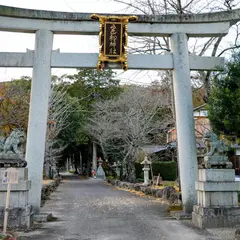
x,y
151,172
158,180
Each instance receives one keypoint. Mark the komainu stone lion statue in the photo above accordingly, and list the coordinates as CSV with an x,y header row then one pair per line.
x,y
216,156
14,142
214,145
12,149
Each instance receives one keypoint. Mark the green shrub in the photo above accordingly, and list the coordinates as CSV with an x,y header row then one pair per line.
x,y
167,170
169,184
139,180
110,177
139,171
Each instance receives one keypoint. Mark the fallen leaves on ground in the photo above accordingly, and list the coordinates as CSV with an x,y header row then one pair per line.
x,y
138,193
47,181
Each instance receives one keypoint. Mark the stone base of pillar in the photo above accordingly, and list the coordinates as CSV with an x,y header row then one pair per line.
x,y
217,199
20,212
19,217
215,217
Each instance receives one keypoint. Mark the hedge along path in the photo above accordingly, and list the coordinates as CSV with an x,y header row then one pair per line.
x,y
167,170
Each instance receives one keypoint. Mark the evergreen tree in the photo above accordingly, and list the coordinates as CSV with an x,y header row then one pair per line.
x,y
224,102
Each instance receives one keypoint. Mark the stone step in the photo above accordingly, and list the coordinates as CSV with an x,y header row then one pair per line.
x,y
43,217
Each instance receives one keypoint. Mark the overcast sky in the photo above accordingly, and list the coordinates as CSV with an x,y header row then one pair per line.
x,y
19,42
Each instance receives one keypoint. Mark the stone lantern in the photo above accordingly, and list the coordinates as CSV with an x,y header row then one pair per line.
x,y
146,167
117,168
100,171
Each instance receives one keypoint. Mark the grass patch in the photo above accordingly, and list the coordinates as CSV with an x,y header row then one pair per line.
x,y
174,208
169,184
7,237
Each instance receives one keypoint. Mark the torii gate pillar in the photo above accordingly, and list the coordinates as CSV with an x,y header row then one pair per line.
x,y
38,113
184,120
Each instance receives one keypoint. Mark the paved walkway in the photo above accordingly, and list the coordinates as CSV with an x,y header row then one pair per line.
x,y
90,210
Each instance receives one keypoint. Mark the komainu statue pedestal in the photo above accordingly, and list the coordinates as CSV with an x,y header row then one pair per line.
x,y
217,191
217,194
20,212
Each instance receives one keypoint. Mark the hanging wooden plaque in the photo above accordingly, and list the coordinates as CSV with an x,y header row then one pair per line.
x,y
113,39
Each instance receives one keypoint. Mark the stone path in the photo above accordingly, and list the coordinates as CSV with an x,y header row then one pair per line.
x,y
90,210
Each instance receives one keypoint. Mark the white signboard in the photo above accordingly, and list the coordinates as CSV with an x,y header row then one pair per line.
x,y
11,176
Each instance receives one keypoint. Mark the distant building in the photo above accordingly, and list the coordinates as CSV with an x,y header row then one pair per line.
x,y
168,151
202,125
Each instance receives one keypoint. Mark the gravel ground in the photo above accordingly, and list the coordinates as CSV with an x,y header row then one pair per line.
x,y
90,210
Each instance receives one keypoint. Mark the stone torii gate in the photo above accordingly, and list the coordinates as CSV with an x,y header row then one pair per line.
x,y
44,24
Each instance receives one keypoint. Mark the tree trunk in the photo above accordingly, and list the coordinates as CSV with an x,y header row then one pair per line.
x,y
75,163
124,175
81,164
94,157
67,165
103,151
131,172
47,169
124,170
169,75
